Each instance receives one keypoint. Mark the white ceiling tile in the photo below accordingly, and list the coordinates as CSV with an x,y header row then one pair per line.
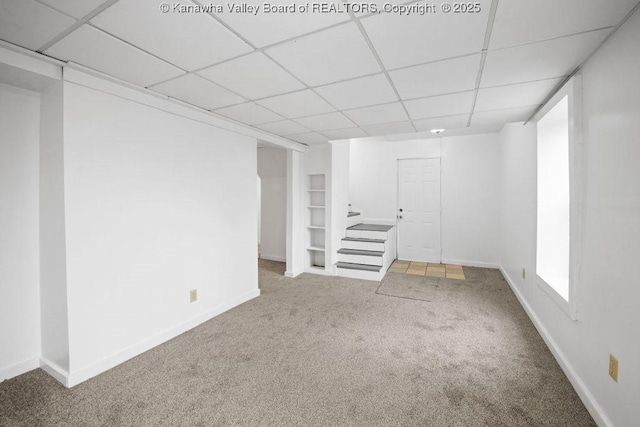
x,y
378,114
97,50
297,104
328,121
508,115
249,113
30,24
449,122
389,128
254,76
344,133
75,8
524,21
436,78
442,105
360,92
328,56
284,127
198,91
187,40
537,61
310,138
518,95
415,38
263,29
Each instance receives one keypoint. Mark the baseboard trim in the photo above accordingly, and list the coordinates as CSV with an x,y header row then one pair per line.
x,y
469,263
585,395
53,369
294,273
312,270
19,368
273,258
75,378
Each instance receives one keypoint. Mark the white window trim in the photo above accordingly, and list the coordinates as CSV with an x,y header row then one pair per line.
x,y
573,90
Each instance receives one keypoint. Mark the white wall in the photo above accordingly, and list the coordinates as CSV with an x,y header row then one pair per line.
x,y
317,160
518,203
339,196
117,205
608,293
53,253
295,213
259,196
19,256
272,169
470,198
469,190
156,205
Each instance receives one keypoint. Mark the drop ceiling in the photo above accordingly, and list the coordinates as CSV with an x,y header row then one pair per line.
x,y
314,77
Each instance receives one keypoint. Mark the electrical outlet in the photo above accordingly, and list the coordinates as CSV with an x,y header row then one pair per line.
x,y
193,295
524,273
613,367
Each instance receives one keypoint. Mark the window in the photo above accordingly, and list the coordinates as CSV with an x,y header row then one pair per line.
x,y
558,196
552,250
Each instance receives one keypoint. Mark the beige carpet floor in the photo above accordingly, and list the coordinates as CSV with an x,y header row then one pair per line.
x,y
321,350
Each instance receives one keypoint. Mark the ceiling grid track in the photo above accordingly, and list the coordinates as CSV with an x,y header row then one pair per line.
x,y
312,89
263,51
142,50
80,22
382,67
483,58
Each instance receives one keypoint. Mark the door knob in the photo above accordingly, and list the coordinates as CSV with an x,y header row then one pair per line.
x,y
400,209
399,216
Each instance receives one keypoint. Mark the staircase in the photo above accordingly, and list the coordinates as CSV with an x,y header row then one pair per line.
x,y
367,251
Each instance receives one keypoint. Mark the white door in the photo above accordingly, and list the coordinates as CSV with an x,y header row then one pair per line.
x,y
419,210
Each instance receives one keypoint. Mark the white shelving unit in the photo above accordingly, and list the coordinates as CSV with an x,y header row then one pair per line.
x,y
316,222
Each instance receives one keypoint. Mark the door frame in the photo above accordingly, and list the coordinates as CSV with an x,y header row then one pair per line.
x,y
439,158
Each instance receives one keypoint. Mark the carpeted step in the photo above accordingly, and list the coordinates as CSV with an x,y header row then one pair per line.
x,y
363,267
362,239
359,252
353,218
361,256
363,244
369,231
371,227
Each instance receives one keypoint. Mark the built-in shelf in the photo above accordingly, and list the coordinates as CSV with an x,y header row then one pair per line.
x,y
316,221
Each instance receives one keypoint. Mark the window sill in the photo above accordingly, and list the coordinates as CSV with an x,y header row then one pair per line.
x,y
569,309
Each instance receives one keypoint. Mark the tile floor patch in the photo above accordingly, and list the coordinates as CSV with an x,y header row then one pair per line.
x,y
418,264
420,268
